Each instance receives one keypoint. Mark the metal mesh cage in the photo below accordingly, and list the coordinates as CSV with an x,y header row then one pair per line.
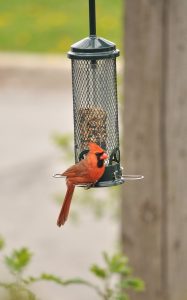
x,y
96,109
95,104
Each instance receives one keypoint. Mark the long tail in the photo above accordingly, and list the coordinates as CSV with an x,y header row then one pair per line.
x,y
66,205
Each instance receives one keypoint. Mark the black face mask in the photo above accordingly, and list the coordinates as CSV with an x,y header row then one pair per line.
x,y
100,162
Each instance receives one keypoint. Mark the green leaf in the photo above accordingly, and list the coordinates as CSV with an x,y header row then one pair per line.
x,y
30,279
19,292
133,283
2,243
78,281
71,281
98,271
118,264
63,140
53,278
122,297
18,260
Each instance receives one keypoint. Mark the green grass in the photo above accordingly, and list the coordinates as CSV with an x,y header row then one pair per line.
x,y
51,26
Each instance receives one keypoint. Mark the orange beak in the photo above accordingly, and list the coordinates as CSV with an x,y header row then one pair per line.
x,y
104,156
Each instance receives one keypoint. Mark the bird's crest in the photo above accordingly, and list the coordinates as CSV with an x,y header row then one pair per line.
x,y
95,148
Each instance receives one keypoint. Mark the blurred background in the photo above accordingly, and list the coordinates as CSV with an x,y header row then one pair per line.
x,y
146,220
36,132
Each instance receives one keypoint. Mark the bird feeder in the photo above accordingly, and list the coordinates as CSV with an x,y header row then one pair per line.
x,y
95,103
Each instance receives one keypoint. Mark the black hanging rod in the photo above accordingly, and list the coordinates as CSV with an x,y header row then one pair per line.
x,y
92,18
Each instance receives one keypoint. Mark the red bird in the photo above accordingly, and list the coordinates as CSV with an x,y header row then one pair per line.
x,y
87,171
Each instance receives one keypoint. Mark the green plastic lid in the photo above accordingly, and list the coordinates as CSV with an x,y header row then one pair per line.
x,y
93,47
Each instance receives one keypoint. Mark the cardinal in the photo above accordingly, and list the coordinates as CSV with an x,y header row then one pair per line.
x,y
87,172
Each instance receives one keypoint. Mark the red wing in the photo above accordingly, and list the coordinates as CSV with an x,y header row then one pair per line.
x,y
77,170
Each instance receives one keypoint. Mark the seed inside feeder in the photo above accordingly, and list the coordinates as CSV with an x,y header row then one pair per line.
x,y
92,126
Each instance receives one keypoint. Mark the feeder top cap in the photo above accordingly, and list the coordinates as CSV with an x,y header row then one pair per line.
x,y
93,47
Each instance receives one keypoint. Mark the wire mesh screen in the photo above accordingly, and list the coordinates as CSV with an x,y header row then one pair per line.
x,y
95,104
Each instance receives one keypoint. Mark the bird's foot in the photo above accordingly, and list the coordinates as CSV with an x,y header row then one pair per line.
x,y
89,186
